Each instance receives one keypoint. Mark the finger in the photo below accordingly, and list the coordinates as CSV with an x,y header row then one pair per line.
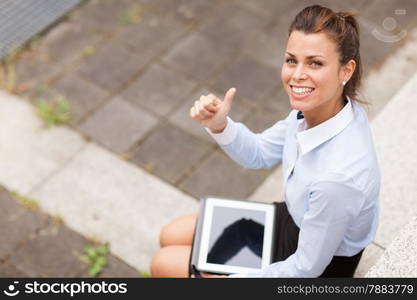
x,y
209,103
228,98
203,112
193,114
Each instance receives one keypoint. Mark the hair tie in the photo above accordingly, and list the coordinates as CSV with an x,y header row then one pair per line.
x,y
340,16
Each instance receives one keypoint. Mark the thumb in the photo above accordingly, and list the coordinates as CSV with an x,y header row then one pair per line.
x,y
228,98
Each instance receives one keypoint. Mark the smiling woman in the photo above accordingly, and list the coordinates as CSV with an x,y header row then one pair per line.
x,y
331,174
322,63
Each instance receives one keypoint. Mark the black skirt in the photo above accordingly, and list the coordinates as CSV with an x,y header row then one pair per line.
x,y
287,241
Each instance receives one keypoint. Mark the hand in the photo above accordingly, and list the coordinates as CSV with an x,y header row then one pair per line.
x,y
211,112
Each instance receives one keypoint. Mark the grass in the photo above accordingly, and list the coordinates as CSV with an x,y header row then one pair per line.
x,y
96,258
133,15
145,274
26,201
8,73
89,51
55,112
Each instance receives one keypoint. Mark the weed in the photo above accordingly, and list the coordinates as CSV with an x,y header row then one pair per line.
x,y
133,15
89,51
145,274
96,257
54,112
8,73
25,201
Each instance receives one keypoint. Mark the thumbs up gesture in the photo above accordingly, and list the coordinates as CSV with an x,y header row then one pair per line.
x,y
211,112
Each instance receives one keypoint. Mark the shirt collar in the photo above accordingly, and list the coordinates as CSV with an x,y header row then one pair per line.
x,y
313,137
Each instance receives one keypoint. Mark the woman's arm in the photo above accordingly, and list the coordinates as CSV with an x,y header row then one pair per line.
x,y
333,205
251,150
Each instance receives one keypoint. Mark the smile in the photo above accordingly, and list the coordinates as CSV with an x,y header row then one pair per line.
x,y
301,92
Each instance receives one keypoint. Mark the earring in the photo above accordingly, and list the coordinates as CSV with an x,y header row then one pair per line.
x,y
344,82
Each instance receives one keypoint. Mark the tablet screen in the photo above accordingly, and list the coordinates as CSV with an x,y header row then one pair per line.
x,y
236,237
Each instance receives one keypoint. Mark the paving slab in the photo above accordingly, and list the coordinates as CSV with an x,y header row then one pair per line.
x,y
140,36
10,271
82,95
108,68
268,46
102,16
101,196
219,176
189,12
159,90
238,25
28,145
268,115
118,125
196,56
54,252
170,153
252,79
117,268
66,42
16,223
34,71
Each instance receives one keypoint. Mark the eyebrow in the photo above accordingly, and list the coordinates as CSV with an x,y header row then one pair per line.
x,y
309,57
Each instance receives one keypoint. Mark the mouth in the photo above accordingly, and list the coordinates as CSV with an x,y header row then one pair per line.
x,y
299,92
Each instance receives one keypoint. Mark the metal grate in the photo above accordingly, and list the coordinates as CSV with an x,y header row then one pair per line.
x,y
22,19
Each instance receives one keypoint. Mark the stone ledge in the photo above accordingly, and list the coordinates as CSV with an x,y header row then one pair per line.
x,y
400,258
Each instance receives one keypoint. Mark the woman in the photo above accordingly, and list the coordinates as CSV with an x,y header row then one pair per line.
x,y
331,174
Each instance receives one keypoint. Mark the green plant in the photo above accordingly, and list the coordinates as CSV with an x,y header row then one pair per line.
x,y
25,201
8,73
88,51
145,274
96,257
133,15
54,112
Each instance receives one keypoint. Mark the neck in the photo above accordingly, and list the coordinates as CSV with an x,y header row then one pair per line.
x,y
323,113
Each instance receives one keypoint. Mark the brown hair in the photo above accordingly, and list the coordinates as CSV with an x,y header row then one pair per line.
x,y
343,29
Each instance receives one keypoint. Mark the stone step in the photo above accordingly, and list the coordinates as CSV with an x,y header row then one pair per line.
x,y
95,192
400,258
399,184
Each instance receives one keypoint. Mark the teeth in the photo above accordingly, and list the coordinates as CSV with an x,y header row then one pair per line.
x,y
302,90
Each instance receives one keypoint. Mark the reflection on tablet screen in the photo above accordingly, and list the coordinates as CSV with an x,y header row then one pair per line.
x,y
236,237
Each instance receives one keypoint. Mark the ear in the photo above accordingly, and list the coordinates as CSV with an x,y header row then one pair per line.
x,y
347,70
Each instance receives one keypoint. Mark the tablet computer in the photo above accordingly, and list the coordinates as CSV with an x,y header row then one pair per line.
x,y
233,236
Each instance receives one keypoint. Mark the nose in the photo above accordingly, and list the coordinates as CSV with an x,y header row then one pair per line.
x,y
299,73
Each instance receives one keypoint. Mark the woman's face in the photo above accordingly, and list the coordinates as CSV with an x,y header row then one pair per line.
x,y
311,72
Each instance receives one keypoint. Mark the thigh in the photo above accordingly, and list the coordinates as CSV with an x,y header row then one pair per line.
x,y
179,231
171,261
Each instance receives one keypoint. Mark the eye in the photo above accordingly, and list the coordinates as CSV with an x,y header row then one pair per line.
x,y
290,61
316,63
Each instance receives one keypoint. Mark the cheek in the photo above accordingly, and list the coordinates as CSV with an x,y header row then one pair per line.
x,y
285,74
325,78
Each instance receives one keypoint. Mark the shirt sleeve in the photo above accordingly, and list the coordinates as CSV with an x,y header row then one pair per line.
x,y
333,205
253,150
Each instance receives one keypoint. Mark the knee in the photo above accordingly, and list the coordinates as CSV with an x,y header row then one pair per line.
x,y
171,261
158,264
178,232
166,236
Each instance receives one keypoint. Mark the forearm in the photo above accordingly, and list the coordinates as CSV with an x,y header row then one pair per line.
x,y
251,150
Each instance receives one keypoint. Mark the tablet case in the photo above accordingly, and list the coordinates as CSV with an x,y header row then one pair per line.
x,y
195,247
